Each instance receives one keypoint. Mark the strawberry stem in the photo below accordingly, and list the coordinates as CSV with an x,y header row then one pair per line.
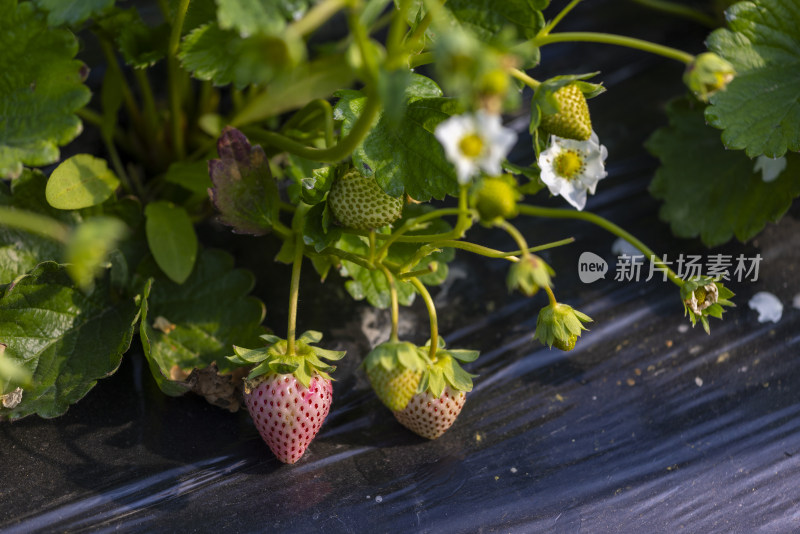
x,y
554,213
608,38
395,302
174,81
524,78
563,13
516,235
551,296
679,11
426,296
294,292
316,16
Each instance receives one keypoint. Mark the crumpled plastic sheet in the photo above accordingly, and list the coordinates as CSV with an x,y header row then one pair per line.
x,y
647,426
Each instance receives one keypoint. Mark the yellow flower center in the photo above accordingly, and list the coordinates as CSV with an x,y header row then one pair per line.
x,y
471,145
568,164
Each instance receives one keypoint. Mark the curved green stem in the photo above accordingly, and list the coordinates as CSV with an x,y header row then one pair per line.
x,y
554,213
426,296
335,153
309,111
563,13
395,302
420,59
316,16
524,78
680,10
34,223
492,253
551,296
173,71
411,223
516,235
294,292
608,38
371,239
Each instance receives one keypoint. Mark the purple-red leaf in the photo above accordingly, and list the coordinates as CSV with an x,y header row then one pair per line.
x,y
244,192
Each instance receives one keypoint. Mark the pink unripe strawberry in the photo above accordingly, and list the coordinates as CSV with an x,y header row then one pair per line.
x,y
287,414
288,393
441,393
429,416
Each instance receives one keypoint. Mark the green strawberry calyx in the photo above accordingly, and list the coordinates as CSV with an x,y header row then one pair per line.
x,y
560,325
395,354
705,297
447,371
273,359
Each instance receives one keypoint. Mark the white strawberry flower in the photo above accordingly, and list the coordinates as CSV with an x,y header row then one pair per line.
x,y
770,168
570,168
475,142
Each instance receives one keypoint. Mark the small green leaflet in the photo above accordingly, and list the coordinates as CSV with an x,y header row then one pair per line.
x,y
372,284
172,239
190,325
760,109
89,246
72,11
488,18
22,251
222,56
709,191
80,182
249,17
67,338
405,157
40,94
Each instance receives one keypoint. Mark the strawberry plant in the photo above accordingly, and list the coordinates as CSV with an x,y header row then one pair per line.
x,y
364,137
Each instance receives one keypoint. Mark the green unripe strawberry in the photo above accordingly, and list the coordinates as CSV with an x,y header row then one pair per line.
x,y
394,369
565,344
495,198
358,202
396,387
572,120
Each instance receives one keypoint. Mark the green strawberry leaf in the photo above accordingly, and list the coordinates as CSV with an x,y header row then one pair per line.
x,y
190,175
222,56
709,191
89,247
249,17
22,251
318,232
171,238
81,181
370,284
72,11
490,19
244,192
187,326
759,111
40,94
405,157
67,339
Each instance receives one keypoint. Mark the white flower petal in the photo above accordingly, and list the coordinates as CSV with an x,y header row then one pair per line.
x,y
767,305
770,168
574,190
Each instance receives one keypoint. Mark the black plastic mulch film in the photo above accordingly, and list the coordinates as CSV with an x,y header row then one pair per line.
x,y
645,427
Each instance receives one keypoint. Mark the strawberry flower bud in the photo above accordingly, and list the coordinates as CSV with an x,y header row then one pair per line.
x,y
707,74
495,198
560,325
529,274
